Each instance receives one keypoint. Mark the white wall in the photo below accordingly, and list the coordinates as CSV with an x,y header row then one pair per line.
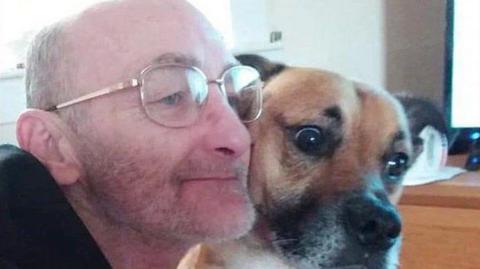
x,y
340,35
394,44
12,102
249,24
7,133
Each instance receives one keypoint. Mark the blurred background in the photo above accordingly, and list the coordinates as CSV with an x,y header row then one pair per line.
x,y
398,45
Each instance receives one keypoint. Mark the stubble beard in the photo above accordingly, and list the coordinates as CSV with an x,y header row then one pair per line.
x,y
144,197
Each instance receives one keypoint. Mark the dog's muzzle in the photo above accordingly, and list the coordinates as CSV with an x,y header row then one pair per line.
x,y
373,221
358,230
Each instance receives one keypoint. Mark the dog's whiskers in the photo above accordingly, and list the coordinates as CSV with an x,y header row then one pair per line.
x,y
283,241
349,267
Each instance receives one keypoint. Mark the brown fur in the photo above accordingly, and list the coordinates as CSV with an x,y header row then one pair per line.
x,y
366,123
307,93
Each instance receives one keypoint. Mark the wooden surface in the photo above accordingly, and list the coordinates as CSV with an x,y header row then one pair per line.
x,y
463,191
442,223
440,238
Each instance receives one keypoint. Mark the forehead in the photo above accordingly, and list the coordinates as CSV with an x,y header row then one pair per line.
x,y
307,93
113,42
382,115
300,96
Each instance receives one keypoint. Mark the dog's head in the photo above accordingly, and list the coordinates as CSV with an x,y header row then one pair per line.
x,y
328,158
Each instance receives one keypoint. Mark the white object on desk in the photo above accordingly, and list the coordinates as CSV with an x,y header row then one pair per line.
x,y
430,164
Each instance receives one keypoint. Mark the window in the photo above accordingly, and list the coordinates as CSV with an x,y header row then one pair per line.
x,y
21,19
220,16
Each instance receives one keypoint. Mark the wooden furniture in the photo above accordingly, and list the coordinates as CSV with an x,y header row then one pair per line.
x,y
442,223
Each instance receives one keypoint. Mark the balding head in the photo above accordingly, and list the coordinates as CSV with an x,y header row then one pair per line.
x,y
113,41
105,44
46,75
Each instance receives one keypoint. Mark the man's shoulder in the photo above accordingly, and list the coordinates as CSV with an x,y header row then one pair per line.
x,y
38,227
14,158
18,167
10,152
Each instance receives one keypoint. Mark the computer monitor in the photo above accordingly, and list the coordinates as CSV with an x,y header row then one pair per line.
x,y
462,73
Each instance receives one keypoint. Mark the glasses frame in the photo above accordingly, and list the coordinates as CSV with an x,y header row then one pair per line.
x,y
140,81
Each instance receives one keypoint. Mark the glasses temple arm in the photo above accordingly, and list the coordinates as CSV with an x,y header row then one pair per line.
x,y
108,90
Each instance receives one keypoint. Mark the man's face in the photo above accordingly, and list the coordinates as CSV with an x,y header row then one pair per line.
x,y
187,183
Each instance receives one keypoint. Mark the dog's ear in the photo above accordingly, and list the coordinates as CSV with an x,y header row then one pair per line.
x,y
421,112
265,67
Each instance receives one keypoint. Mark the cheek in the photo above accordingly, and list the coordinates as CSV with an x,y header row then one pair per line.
x,y
130,157
139,185
131,130
245,158
264,166
133,159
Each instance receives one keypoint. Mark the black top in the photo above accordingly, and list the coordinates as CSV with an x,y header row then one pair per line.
x,y
38,227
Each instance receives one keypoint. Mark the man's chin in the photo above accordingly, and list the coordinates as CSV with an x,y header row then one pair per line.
x,y
221,209
232,228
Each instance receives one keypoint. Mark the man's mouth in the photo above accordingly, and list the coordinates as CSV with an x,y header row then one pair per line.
x,y
210,178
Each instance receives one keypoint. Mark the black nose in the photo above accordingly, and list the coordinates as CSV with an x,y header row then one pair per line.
x,y
374,222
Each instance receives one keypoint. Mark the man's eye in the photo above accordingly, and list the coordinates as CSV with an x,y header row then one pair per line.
x,y
172,99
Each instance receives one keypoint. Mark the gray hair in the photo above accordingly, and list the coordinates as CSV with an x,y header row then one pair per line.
x,y
46,78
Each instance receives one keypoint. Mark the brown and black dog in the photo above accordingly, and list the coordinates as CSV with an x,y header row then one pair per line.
x,y
327,165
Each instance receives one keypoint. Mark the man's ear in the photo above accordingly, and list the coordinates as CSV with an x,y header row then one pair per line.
x,y
44,135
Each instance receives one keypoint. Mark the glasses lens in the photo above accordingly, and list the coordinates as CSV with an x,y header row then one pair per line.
x,y
173,95
243,88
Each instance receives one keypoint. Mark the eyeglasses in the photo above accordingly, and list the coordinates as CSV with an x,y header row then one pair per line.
x,y
174,95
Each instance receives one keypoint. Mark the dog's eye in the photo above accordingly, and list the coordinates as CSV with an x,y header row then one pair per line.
x,y
396,165
309,139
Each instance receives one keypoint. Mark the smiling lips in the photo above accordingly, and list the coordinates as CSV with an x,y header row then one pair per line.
x,y
211,178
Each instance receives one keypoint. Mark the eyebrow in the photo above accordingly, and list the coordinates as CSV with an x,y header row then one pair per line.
x,y
335,113
400,135
176,58
179,58
396,138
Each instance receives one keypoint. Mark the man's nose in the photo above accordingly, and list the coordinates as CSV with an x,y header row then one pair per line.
x,y
227,136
